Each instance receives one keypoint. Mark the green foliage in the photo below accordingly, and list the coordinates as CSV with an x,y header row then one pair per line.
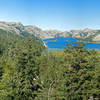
x,y
29,72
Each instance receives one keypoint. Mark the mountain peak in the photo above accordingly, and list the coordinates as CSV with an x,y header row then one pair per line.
x,y
20,29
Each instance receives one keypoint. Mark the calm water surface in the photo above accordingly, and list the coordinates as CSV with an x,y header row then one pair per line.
x,y
59,43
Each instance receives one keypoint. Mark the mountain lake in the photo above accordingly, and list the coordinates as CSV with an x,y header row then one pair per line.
x,y
59,43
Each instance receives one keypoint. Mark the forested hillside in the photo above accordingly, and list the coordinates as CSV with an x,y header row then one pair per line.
x,y
29,72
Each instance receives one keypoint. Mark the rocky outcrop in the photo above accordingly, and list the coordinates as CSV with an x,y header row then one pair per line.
x,y
19,28
83,33
96,38
12,27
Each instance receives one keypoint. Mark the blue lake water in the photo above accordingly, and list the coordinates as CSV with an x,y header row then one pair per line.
x,y
59,43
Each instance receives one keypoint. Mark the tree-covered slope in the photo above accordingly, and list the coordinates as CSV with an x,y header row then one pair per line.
x,y
29,72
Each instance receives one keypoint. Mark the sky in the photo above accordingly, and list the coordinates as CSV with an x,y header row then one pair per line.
x,y
52,14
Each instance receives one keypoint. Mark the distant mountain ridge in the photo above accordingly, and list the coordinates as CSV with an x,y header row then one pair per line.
x,y
20,29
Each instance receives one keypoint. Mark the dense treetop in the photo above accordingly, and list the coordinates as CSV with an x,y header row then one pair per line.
x,y
29,72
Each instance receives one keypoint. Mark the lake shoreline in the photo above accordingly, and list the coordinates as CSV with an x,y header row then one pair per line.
x,y
61,43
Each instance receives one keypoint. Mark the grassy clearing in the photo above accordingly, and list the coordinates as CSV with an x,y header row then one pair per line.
x,y
61,52
58,52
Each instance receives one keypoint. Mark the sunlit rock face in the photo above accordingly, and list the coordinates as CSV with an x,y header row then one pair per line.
x,y
20,29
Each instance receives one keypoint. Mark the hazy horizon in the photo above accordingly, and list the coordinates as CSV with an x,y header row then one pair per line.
x,y
61,15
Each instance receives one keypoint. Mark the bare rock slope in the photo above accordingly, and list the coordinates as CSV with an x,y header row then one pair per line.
x,y
20,29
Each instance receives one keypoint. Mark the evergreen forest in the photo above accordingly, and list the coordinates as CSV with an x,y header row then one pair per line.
x,y
28,71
